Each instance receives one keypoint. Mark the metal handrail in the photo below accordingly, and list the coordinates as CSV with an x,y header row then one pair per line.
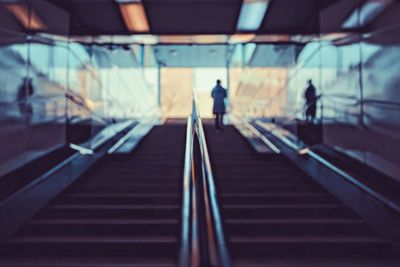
x,y
300,112
80,103
296,114
202,238
185,259
217,247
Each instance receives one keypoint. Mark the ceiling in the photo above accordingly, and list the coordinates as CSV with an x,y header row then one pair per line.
x,y
167,17
189,21
190,33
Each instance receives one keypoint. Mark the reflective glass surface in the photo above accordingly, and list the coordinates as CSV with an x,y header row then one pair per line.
x,y
355,71
55,91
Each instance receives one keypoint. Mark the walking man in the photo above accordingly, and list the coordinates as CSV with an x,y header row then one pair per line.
x,y
219,94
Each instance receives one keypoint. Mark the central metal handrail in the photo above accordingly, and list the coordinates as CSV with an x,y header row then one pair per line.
x,y
202,236
185,251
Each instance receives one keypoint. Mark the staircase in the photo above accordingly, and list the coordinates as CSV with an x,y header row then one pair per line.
x,y
123,212
274,215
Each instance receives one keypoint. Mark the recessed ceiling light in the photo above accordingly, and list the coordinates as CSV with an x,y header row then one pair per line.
x,y
367,12
134,16
27,17
251,15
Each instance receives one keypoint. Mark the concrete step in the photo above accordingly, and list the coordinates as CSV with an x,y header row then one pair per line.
x,y
308,246
278,199
101,227
258,178
299,227
125,189
269,189
256,175
110,211
143,183
320,211
116,199
142,173
98,261
228,183
349,261
92,246
156,178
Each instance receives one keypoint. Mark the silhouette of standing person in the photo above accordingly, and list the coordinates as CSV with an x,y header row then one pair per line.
x,y
219,94
311,102
25,90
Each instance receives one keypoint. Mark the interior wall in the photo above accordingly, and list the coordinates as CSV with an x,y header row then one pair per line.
x,y
361,93
49,83
357,76
176,92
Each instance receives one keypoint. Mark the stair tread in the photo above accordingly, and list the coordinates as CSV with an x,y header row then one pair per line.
x,y
294,221
266,185
294,194
352,261
111,206
122,195
95,239
281,206
89,262
130,186
104,221
229,184
305,239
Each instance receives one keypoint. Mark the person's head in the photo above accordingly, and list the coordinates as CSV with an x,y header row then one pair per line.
x,y
309,81
219,82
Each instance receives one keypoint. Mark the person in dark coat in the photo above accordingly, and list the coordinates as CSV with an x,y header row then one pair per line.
x,y
311,102
25,91
219,94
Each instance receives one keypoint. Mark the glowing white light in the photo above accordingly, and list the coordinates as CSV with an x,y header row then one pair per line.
x,y
252,14
366,13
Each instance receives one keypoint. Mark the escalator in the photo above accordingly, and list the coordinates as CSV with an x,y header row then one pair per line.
x,y
125,211
274,215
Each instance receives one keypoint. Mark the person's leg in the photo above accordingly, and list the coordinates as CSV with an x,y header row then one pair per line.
x,y
221,121
313,112
308,114
216,121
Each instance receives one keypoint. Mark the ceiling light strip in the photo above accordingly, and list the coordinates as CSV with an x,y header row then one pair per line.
x,y
366,13
251,15
27,17
134,16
